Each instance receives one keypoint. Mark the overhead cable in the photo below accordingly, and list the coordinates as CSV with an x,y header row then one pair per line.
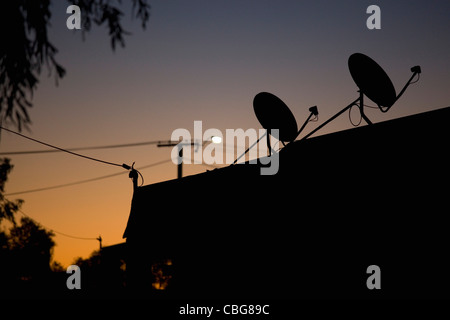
x,y
82,181
113,146
67,151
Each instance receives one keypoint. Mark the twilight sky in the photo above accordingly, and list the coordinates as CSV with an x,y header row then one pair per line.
x,y
205,60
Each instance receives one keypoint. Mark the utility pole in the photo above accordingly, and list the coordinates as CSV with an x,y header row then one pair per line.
x,y
181,144
100,242
180,152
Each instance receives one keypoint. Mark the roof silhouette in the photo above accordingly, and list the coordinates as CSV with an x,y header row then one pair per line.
x,y
339,203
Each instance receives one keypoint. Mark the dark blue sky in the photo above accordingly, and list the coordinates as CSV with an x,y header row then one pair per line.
x,y
205,60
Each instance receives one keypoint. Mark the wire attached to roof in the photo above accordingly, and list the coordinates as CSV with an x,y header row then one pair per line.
x,y
123,165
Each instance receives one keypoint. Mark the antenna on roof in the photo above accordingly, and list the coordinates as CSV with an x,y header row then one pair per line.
x,y
374,83
273,113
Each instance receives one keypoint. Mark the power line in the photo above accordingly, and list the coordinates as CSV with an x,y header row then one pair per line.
x,y
112,146
55,231
70,150
82,181
67,151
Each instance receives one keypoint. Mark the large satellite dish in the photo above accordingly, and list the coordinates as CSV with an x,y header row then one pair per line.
x,y
273,113
371,79
373,83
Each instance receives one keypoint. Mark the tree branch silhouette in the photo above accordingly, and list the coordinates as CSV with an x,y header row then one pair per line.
x,y
26,48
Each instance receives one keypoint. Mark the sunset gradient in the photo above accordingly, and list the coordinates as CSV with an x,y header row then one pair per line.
x,y
203,60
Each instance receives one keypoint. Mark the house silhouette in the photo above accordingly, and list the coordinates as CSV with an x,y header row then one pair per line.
x,y
341,202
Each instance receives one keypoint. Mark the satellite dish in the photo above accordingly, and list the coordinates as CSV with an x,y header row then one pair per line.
x,y
273,113
374,83
371,79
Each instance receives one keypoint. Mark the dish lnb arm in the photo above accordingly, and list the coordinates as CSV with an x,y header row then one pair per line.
x,y
415,70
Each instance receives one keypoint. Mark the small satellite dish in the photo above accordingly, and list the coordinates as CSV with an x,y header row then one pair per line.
x,y
273,113
371,79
